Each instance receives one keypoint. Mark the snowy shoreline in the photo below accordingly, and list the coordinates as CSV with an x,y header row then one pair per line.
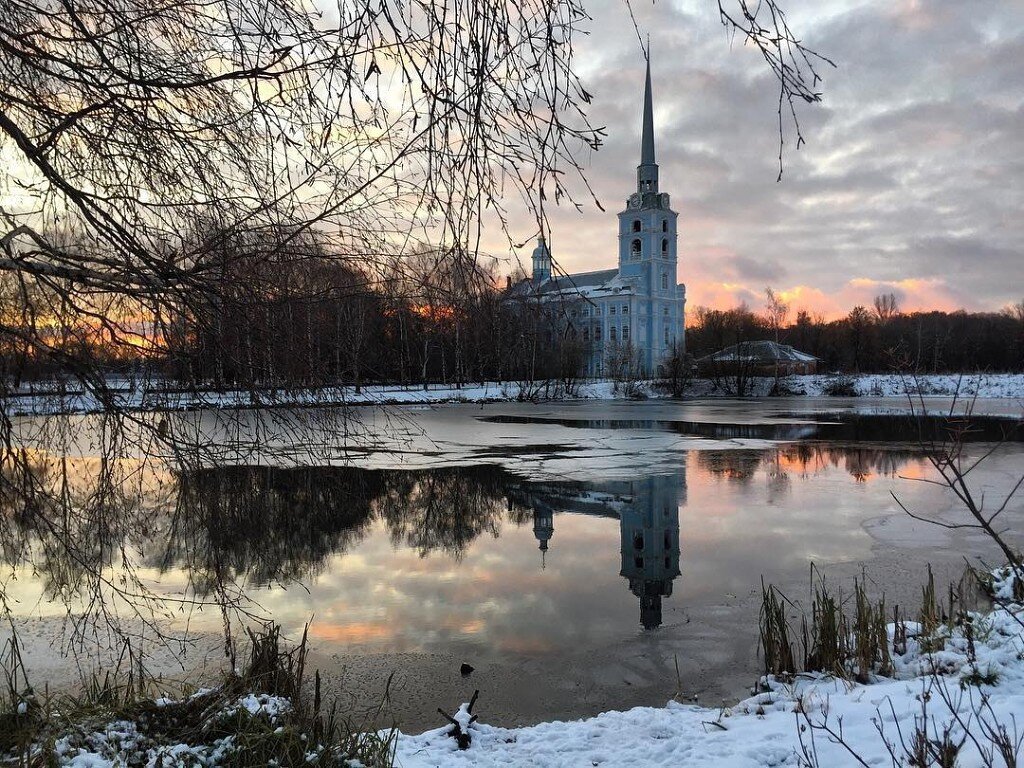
x,y
42,401
965,674
973,677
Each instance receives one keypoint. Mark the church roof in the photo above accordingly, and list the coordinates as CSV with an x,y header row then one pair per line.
x,y
759,352
580,280
583,284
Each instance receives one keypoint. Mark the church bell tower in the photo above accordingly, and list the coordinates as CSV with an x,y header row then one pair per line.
x,y
647,228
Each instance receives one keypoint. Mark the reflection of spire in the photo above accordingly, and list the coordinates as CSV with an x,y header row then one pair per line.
x,y
543,529
649,531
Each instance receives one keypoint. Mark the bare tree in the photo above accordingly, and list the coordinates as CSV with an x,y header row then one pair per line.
x,y
168,166
763,24
887,306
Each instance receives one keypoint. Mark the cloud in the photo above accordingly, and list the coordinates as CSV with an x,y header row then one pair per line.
x,y
912,178
913,294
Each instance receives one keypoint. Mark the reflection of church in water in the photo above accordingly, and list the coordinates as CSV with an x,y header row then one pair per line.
x,y
648,512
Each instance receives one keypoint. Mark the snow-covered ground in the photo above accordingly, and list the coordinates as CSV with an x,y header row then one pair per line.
x,y
963,690
982,385
41,399
786,725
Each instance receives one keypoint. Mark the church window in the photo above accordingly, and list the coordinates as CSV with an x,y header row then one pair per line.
x,y
636,225
625,309
634,249
611,309
668,540
638,541
625,333
664,225
611,334
664,245
664,281
638,562
597,333
666,335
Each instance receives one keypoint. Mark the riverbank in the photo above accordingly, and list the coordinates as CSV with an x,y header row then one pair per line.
x,y
43,399
958,688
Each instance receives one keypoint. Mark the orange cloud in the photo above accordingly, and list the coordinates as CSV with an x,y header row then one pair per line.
x,y
914,294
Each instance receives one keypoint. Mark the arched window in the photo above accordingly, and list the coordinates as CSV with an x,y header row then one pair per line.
x,y
664,225
636,225
664,246
634,249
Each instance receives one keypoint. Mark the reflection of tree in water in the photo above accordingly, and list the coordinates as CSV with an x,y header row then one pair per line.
x,y
445,509
231,527
738,466
804,459
265,524
70,520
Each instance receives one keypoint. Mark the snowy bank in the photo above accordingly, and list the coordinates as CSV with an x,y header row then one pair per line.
x,y
982,385
789,724
43,399
957,689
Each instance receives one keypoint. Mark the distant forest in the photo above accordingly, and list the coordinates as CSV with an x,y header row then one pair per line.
x,y
874,340
296,316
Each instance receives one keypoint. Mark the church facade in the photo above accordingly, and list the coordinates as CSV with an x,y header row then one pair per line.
x,y
636,308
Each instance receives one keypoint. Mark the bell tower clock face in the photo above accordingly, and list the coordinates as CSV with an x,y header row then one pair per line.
x,y
634,200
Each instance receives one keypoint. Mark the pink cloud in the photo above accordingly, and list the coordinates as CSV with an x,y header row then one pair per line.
x,y
914,294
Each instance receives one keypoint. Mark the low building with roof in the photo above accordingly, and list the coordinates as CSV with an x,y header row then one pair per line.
x,y
637,306
759,358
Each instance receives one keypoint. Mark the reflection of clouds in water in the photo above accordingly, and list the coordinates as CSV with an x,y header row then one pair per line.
x,y
455,558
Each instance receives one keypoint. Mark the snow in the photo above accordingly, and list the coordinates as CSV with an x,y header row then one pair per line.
x,y
271,706
974,676
781,725
154,397
982,385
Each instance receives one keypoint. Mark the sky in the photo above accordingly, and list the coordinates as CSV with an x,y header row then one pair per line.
x,y
911,180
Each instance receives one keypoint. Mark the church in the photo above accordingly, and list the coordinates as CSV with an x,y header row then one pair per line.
x,y
637,306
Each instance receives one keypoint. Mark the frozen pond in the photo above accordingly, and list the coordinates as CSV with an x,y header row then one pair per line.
x,y
575,554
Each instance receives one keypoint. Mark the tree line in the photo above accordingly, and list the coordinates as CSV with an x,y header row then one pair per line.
x,y
290,313
873,340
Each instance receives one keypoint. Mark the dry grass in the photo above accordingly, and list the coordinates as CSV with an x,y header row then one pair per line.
x,y
303,733
848,637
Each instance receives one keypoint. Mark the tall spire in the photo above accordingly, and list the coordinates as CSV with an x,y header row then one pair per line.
x,y
647,171
647,143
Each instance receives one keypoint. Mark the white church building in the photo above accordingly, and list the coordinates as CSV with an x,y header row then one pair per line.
x,y
638,304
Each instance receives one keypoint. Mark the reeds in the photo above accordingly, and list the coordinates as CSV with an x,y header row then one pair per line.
x,y
775,645
850,636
